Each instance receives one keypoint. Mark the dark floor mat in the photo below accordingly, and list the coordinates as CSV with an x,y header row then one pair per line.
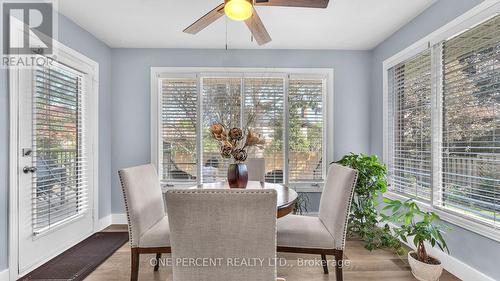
x,y
80,260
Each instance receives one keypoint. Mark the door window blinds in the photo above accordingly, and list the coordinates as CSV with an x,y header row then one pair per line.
x,y
60,152
470,169
179,102
410,160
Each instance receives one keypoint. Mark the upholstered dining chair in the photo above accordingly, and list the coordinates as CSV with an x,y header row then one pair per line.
x,y
256,169
223,224
147,221
325,234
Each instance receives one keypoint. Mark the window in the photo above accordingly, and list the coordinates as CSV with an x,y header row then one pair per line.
x,y
443,134
221,103
306,130
178,129
60,152
264,106
470,147
410,126
288,110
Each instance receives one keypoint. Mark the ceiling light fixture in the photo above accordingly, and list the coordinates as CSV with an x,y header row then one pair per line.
x,y
244,10
238,9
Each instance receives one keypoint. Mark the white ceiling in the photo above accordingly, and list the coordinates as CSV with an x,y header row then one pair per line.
x,y
345,24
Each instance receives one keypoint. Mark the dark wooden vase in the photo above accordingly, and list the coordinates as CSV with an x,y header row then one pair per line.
x,y
237,175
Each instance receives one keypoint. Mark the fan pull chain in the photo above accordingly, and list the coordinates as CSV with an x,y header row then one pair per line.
x,y
251,34
225,19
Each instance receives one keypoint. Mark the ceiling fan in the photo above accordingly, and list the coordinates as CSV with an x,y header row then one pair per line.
x,y
244,10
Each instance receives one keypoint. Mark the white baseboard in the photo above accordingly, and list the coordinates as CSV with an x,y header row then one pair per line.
x,y
111,219
4,275
119,219
104,222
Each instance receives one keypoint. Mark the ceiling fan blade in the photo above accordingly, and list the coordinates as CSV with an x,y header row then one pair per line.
x,y
206,20
294,3
258,29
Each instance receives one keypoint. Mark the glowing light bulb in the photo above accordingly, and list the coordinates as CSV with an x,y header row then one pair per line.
x,y
238,9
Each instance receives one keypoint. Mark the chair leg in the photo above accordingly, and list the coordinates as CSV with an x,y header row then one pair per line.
x,y
134,270
325,263
339,256
158,257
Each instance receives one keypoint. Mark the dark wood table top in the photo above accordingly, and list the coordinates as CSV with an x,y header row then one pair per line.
x,y
286,196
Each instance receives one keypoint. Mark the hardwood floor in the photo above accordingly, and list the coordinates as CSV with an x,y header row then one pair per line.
x,y
364,266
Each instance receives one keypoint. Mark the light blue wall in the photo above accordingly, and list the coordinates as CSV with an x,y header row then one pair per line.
x,y
78,39
473,249
131,96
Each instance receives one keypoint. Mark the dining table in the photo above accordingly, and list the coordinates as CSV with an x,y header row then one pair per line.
x,y
286,196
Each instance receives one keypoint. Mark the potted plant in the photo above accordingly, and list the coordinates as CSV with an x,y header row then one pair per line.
x,y
234,143
412,221
363,217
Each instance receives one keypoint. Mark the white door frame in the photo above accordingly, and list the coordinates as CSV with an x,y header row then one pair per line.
x,y
14,90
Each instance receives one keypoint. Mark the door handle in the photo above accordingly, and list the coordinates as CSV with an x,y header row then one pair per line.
x,y
28,169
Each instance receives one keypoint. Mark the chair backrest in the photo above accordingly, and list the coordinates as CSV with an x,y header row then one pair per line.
x,y
143,199
209,174
336,201
220,225
256,169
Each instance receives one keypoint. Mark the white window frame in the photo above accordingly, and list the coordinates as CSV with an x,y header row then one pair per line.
x,y
287,73
475,16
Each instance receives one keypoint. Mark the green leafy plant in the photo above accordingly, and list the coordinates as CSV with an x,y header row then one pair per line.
x,y
301,204
363,218
414,222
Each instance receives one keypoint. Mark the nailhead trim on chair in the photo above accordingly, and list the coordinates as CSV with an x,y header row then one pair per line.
x,y
348,211
133,244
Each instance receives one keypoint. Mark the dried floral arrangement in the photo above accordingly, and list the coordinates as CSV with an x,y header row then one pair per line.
x,y
235,142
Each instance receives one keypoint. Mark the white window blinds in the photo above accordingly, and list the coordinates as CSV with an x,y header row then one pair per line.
x,y
189,106
410,160
305,130
264,104
60,152
471,117
178,159
453,162
221,103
